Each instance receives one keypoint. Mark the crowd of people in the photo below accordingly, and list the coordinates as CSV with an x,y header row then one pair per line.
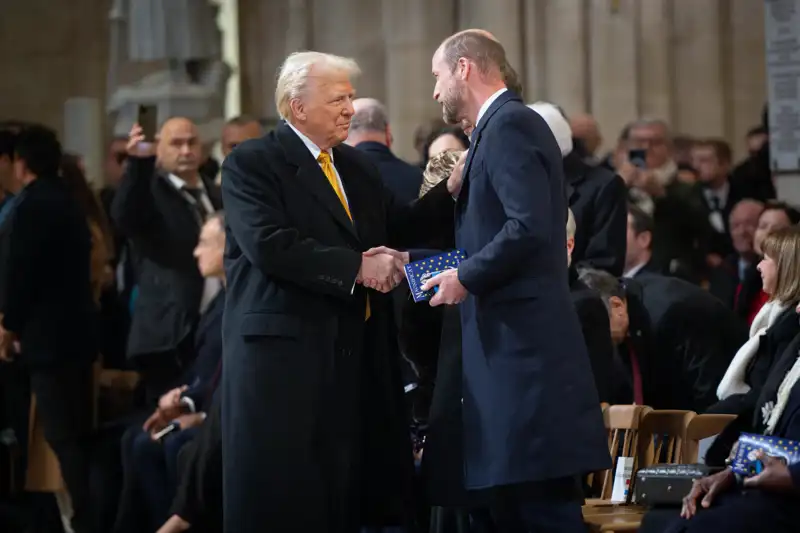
x,y
250,317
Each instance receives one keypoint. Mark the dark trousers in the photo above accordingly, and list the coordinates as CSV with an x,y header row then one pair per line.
x,y
64,406
553,506
150,472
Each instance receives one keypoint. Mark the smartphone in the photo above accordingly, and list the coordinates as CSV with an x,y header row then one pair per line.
x,y
638,158
147,120
166,431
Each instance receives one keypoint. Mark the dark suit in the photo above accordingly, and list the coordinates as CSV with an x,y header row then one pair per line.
x,y
596,329
744,295
401,178
48,304
164,228
687,340
719,242
599,201
298,353
525,368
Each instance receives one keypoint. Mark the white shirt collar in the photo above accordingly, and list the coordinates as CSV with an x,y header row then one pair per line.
x,y
633,271
180,184
485,107
313,148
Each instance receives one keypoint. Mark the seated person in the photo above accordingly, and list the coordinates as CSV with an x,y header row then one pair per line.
x,y
150,466
594,321
773,328
639,245
674,340
768,502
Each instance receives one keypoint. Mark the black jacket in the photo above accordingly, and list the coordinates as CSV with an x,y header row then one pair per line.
x,y
684,339
598,199
164,229
47,298
401,178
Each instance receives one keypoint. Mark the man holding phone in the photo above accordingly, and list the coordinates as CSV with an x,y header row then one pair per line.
x,y
161,204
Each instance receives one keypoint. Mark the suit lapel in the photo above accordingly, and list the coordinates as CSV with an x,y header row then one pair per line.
x,y
349,172
310,175
507,96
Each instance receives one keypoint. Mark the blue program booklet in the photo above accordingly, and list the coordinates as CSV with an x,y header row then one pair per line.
x,y
745,462
418,272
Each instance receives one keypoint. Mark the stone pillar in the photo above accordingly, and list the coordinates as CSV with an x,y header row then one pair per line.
x,y
655,81
748,83
83,135
352,28
566,74
412,30
699,71
534,79
503,19
228,22
613,66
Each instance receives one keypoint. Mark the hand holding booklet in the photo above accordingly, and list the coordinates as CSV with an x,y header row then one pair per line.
x,y
418,272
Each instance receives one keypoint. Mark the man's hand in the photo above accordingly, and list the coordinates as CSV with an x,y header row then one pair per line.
x,y
708,488
457,175
172,399
381,272
775,476
451,291
190,421
137,145
403,257
157,421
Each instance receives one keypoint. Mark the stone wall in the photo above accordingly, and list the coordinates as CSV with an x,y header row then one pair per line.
x,y
697,63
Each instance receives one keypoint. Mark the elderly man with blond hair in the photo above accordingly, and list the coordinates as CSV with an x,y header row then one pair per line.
x,y
313,422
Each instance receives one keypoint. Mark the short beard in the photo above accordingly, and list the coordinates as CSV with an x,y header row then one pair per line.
x,y
452,106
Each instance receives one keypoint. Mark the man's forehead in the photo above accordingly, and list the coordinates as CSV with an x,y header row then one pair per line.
x,y
647,130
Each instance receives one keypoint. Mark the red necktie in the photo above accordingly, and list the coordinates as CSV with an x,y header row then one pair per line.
x,y
636,372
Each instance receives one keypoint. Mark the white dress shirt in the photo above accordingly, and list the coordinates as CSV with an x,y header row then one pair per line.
x,y
485,107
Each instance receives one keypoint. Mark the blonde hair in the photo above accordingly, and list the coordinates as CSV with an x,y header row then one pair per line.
x,y
295,72
783,247
572,226
439,168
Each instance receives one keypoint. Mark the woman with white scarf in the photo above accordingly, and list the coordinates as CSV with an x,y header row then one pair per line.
x,y
773,328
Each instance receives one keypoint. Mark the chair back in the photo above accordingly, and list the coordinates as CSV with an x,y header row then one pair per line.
x,y
702,427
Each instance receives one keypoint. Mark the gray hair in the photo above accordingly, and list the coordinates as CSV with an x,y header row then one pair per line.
x,y
572,226
479,48
649,123
295,72
370,115
606,285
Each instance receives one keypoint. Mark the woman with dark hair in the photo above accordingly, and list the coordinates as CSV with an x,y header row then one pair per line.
x,y
449,138
102,239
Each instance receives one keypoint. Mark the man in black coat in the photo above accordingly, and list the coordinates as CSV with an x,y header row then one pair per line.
x,y
593,316
47,308
161,210
524,360
314,431
370,133
674,340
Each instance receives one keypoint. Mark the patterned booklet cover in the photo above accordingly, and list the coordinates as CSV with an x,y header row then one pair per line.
x,y
745,462
418,272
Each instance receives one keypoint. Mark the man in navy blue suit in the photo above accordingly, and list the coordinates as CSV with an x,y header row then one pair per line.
x,y
531,414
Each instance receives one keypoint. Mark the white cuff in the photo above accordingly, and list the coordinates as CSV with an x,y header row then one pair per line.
x,y
188,402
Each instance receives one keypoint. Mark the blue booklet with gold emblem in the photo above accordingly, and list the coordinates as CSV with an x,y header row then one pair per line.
x,y
745,461
418,272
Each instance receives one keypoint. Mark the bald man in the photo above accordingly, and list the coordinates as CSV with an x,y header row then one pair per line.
x,y
160,206
737,281
370,133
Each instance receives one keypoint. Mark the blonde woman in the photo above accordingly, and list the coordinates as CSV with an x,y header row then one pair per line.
x,y
773,328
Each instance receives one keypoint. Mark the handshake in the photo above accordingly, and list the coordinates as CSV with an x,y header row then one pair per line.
x,y
382,268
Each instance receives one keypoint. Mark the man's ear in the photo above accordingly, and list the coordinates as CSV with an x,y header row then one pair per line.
x,y
298,108
647,239
389,138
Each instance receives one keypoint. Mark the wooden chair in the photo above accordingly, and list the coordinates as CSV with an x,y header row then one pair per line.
x,y
699,428
660,438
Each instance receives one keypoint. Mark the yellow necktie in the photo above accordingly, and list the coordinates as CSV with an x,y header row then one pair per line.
x,y
324,160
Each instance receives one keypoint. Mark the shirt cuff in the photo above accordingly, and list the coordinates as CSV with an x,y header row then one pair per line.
x,y
188,402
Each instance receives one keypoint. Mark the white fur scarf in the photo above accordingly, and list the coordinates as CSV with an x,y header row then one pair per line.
x,y
784,391
733,380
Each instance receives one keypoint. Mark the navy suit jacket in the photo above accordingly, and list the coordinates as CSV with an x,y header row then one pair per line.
x,y
205,372
531,409
401,178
